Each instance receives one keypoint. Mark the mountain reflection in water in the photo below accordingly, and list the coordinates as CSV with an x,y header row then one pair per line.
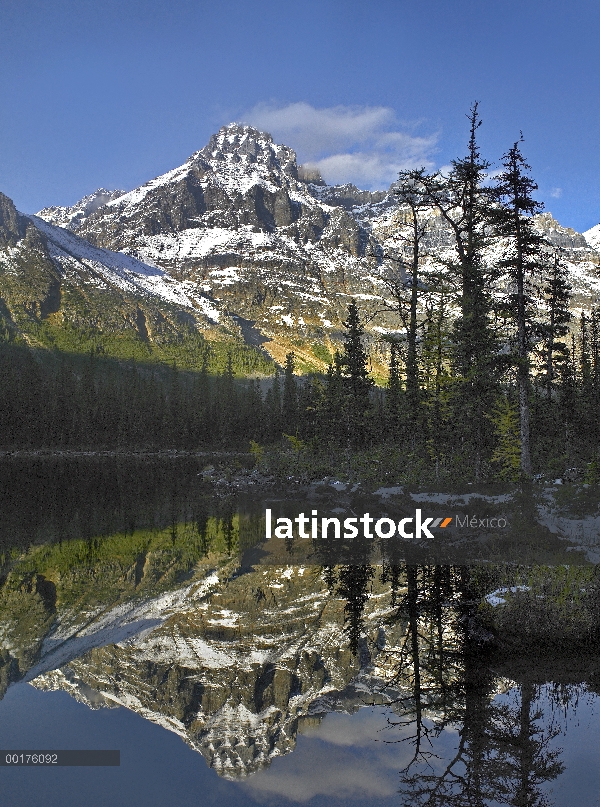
x,y
391,682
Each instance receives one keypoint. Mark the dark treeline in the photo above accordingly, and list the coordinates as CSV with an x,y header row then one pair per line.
x,y
60,400
63,401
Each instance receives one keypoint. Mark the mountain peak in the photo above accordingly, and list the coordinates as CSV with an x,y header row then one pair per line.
x,y
72,217
240,143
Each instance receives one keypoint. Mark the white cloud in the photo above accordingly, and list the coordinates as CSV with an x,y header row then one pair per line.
x,y
347,758
363,145
340,760
556,193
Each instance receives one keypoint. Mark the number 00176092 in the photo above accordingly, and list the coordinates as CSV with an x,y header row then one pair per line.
x,y
32,759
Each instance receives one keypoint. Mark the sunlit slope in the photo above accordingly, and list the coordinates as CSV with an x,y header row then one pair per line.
x,y
58,291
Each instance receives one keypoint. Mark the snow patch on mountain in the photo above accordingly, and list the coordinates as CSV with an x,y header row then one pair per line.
x,y
123,271
592,236
72,217
202,242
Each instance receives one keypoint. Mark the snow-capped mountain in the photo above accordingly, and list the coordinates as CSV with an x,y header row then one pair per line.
x,y
239,243
237,220
268,238
237,225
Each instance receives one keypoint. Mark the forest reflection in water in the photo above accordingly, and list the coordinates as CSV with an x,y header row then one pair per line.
x,y
472,672
504,686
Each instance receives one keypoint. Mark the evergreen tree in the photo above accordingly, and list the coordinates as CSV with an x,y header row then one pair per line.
x,y
465,204
290,396
587,414
225,416
393,396
333,410
435,357
513,221
595,350
568,400
358,384
273,408
557,291
401,271
585,363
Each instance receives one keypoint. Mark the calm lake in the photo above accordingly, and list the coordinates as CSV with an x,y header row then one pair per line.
x,y
143,609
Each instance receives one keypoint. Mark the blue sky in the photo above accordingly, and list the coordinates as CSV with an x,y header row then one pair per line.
x,y
106,93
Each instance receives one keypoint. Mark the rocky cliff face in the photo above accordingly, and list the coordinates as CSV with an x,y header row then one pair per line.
x,y
575,245
13,226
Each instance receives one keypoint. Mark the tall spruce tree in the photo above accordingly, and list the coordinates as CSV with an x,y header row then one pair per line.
x,y
333,410
587,413
358,383
465,204
290,396
273,408
594,348
568,400
435,359
557,291
400,272
521,261
393,395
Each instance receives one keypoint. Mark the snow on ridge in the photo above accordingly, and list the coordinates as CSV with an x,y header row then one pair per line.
x,y
72,216
82,250
137,195
592,236
125,271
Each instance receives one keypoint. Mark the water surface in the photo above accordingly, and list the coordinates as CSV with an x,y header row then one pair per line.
x,y
142,609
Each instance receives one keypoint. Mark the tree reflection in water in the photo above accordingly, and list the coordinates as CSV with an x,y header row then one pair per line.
x,y
504,752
